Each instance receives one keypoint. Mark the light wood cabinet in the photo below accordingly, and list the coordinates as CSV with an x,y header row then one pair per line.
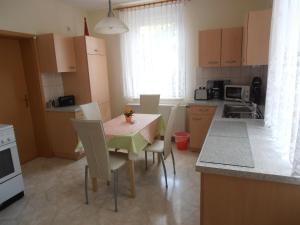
x,y
231,50
199,120
56,53
62,135
210,48
90,82
220,47
256,37
95,46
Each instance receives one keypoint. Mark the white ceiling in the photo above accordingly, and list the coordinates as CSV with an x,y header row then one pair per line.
x,y
95,4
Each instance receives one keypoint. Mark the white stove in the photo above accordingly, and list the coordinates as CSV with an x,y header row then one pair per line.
x,y
11,180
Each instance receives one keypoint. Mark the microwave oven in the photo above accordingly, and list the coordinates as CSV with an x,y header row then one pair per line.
x,y
237,93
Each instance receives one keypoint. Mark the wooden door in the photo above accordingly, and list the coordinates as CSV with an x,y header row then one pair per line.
x,y
95,46
199,120
98,78
56,53
210,48
231,51
245,40
14,104
258,36
65,54
105,111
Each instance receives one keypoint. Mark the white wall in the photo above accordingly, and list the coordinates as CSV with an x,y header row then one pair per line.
x,y
41,16
200,15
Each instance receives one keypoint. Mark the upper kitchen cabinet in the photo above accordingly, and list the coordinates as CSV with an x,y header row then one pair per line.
x,y
210,48
56,53
220,47
95,46
231,50
256,37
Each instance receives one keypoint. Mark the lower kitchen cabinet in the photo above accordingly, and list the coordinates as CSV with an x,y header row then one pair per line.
x,y
62,135
199,120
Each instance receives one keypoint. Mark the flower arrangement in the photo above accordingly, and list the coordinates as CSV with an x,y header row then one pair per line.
x,y
128,113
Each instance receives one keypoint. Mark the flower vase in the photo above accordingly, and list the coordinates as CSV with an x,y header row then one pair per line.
x,y
128,119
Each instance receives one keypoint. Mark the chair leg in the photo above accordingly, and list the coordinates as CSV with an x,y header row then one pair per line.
x,y
116,189
164,167
86,184
146,160
173,159
153,154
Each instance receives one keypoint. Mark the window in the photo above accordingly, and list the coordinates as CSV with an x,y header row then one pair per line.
x,y
153,51
283,92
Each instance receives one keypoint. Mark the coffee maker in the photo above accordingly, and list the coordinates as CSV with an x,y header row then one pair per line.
x,y
255,91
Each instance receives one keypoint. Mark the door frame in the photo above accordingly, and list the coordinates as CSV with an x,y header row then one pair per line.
x,y
34,86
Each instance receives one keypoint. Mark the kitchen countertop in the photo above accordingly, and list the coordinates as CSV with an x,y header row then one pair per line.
x,y
270,163
74,108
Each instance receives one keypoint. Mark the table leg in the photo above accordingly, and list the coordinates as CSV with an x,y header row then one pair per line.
x,y
132,177
95,184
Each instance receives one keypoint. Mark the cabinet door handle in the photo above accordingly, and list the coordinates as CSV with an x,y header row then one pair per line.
x,y
213,62
72,67
230,61
96,50
203,110
193,119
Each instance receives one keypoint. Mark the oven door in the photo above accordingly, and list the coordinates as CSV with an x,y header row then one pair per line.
x,y
233,93
9,162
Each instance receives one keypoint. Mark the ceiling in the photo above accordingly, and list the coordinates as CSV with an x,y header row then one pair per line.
x,y
95,4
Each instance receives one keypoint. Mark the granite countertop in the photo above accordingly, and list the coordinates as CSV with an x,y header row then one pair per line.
x,y
75,108
270,163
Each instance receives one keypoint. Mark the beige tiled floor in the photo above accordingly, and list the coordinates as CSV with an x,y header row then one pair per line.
x,y
55,195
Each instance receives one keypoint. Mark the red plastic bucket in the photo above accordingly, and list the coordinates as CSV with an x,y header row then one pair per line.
x,y
181,140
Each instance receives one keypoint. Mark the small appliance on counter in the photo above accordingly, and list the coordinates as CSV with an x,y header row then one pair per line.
x,y
11,180
255,90
201,94
216,88
240,93
64,101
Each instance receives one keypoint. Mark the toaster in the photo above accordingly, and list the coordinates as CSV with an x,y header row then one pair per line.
x,y
68,100
201,94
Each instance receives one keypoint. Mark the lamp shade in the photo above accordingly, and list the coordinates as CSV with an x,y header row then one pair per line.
x,y
111,25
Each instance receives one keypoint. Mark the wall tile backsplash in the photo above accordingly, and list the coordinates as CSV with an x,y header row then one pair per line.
x,y
52,86
238,75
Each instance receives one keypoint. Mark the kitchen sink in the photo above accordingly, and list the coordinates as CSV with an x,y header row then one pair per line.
x,y
242,110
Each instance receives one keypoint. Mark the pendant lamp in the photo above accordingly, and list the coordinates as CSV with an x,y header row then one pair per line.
x,y
110,24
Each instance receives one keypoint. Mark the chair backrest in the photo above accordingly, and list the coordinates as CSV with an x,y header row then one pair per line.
x,y
149,104
91,134
169,131
91,111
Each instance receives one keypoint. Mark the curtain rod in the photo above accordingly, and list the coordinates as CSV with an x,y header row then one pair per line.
x,y
147,4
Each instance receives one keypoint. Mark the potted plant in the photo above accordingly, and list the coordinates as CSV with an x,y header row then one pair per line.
x,y
128,115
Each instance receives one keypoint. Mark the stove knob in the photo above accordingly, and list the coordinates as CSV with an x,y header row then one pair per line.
x,y
2,142
8,139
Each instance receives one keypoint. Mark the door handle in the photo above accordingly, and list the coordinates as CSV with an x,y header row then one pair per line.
x,y
26,101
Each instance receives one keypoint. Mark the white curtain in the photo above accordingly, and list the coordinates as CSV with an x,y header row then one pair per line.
x,y
153,51
283,92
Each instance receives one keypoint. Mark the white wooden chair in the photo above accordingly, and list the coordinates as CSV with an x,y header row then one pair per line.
x,y
91,111
149,104
164,148
100,161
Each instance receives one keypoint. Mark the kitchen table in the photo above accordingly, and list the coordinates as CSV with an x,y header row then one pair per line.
x,y
132,137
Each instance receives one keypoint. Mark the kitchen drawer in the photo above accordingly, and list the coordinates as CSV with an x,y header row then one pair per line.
x,y
202,110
